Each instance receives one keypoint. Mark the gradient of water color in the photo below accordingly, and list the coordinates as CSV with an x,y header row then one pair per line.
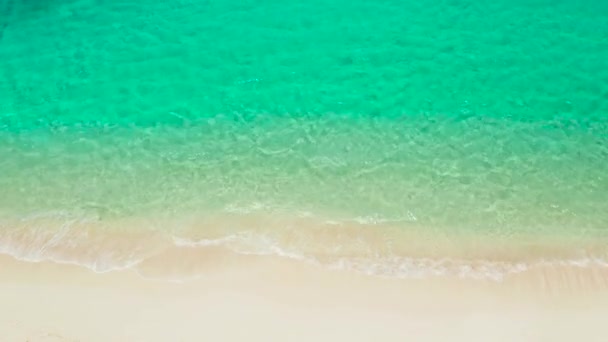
x,y
453,118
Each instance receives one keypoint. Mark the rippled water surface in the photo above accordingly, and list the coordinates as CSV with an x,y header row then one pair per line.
x,y
440,116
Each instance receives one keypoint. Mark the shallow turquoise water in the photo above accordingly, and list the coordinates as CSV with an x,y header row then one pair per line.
x,y
480,116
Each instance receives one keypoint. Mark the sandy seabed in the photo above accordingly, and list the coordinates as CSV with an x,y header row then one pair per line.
x,y
270,299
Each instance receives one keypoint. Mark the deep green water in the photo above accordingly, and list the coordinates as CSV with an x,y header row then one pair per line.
x,y
478,116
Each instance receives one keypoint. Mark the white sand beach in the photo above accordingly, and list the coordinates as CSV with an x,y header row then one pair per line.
x,y
268,299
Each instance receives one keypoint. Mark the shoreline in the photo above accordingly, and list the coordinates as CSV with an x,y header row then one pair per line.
x,y
208,245
272,299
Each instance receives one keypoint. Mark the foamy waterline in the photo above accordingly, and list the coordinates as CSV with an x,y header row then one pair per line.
x,y
395,266
55,248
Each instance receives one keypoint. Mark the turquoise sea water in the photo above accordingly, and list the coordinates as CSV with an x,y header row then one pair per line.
x,y
454,117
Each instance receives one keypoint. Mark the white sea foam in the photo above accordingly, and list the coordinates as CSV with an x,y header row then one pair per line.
x,y
246,243
377,219
102,262
62,244
393,266
65,246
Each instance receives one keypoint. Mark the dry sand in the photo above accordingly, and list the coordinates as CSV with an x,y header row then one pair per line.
x,y
268,299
